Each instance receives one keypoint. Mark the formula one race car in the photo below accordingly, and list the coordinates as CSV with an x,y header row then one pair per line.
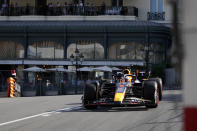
x,y
125,89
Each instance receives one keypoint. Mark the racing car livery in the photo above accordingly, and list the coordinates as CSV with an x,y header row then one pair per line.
x,y
125,89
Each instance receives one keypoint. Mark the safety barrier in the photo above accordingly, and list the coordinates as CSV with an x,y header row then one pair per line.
x,y
11,87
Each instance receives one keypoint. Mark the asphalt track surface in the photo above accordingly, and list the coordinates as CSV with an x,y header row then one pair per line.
x,y
65,113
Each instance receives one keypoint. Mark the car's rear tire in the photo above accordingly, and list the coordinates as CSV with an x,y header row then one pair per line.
x,y
151,93
160,86
89,95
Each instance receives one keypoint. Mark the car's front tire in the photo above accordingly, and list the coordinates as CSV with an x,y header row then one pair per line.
x,y
89,95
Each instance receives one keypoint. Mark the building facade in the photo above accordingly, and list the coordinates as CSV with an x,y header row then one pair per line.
x,y
152,10
106,40
113,33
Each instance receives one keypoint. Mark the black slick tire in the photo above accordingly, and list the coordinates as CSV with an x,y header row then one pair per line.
x,y
160,86
89,95
151,93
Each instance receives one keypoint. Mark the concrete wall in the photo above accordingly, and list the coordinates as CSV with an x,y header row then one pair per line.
x,y
190,46
190,64
168,10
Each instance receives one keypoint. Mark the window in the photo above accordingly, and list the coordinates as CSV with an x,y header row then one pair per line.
x,y
127,51
153,6
160,6
11,50
156,10
90,50
99,51
156,53
46,50
156,6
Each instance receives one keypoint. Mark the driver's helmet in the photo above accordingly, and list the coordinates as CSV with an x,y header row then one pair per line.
x,y
126,71
127,75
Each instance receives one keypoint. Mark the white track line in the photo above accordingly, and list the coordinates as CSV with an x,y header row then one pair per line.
x,y
42,114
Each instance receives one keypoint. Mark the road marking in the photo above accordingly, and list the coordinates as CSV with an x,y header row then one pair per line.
x,y
42,114
46,115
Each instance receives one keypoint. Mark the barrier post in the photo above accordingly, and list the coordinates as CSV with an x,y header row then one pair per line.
x,y
11,87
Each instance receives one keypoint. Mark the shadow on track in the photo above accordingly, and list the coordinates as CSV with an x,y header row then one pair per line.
x,y
108,109
74,104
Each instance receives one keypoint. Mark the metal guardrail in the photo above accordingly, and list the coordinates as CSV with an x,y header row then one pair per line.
x,y
69,10
42,83
57,83
156,16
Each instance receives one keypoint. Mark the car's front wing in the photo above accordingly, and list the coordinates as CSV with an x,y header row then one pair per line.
x,y
127,102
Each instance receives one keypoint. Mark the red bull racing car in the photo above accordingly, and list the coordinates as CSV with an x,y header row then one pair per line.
x,y
125,89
